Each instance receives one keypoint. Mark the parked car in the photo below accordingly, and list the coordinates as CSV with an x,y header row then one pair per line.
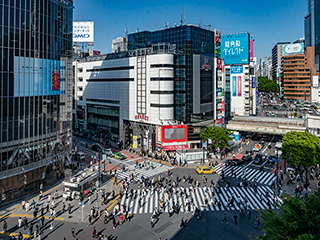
x,y
247,158
107,151
262,141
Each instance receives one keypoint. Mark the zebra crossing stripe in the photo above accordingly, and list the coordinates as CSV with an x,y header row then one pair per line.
x,y
151,199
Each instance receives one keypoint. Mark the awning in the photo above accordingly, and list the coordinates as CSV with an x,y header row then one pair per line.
x,y
175,147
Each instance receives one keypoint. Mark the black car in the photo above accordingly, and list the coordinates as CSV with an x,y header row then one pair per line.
x,y
237,162
257,159
249,152
262,141
247,158
271,158
96,147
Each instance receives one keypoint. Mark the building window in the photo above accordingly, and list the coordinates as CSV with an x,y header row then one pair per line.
x,y
80,79
110,69
161,92
161,65
80,69
161,105
161,79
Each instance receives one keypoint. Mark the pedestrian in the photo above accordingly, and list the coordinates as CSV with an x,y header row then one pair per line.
x,y
224,218
235,217
152,221
42,221
114,222
73,232
5,226
69,208
25,223
257,223
89,220
63,207
249,214
94,232
19,222
182,224
52,225
20,236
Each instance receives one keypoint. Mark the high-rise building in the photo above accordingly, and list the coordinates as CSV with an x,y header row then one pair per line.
x,y
35,93
277,53
300,79
312,29
266,67
189,40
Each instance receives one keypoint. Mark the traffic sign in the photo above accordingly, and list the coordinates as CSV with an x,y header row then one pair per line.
x,y
204,144
101,166
209,141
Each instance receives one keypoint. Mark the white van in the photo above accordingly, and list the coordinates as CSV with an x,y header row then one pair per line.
x,y
107,151
80,156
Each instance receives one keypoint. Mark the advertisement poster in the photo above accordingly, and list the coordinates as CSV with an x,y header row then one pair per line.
x,y
235,48
83,31
37,77
293,48
134,141
236,84
159,135
239,86
253,82
251,50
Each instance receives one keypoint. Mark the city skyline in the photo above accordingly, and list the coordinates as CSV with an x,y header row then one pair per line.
x,y
267,27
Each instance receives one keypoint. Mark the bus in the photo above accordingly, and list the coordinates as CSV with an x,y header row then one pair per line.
x,y
82,182
278,150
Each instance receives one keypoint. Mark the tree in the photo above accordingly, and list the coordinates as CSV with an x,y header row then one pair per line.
x,y
265,84
220,136
298,218
301,149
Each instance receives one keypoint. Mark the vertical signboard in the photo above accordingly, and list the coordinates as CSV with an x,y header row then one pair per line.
x,y
236,74
159,135
251,50
235,48
253,82
217,43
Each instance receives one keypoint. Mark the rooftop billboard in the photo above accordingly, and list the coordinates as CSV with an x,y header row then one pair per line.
x,y
83,31
293,48
235,48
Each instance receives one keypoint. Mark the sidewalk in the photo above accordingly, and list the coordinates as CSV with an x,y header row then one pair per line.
x,y
78,214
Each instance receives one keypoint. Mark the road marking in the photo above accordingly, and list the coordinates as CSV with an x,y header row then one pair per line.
x,y
38,216
16,234
2,214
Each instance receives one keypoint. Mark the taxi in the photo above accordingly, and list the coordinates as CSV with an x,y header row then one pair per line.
x,y
118,155
205,170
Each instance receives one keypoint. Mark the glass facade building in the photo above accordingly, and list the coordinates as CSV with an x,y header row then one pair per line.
x,y
189,40
35,93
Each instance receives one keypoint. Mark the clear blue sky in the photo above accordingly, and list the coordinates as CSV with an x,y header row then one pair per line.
x,y
269,21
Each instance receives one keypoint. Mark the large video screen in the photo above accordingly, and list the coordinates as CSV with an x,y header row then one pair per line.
x,y
174,134
38,77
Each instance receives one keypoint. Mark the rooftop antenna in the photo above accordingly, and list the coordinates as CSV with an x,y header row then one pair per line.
x,y
154,21
126,30
185,15
200,24
181,20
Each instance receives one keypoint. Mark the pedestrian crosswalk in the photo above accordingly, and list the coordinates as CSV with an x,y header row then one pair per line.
x,y
203,198
249,173
142,171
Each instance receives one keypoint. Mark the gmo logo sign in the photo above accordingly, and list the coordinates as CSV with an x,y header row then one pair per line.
x,y
86,35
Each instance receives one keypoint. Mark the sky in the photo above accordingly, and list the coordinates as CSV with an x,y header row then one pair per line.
x,y
269,21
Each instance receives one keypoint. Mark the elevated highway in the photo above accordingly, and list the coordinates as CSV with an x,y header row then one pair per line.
x,y
270,125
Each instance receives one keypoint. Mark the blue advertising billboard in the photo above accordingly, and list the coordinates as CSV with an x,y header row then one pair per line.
x,y
235,48
253,82
236,69
38,77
